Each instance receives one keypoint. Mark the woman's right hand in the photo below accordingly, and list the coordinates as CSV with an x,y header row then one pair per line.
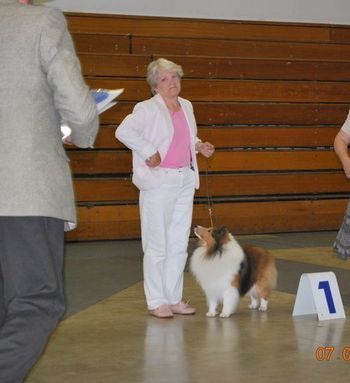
x,y
154,160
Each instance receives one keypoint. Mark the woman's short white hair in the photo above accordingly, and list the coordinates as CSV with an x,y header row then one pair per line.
x,y
160,65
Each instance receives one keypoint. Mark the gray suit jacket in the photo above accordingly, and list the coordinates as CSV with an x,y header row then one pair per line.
x,y
41,86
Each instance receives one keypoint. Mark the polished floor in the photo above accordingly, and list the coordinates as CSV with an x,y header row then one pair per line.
x,y
108,337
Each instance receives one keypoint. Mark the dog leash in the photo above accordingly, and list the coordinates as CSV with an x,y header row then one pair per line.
x,y
209,197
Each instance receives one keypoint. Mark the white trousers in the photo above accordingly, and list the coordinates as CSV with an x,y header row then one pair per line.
x,y
166,216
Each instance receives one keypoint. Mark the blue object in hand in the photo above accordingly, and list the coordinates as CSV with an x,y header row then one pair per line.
x,y
99,95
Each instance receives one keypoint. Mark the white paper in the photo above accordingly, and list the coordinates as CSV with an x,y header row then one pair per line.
x,y
107,106
107,97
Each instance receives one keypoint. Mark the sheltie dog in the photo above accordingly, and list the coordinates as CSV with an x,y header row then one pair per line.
x,y
226,271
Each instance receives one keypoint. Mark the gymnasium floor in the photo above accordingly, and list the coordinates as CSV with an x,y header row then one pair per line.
x,y
108,337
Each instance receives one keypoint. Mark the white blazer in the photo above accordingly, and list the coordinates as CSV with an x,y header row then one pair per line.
x,y
149,129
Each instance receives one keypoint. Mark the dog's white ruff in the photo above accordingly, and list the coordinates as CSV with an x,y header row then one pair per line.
x,y
215,276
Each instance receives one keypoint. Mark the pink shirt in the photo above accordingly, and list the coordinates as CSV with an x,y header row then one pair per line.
x,y
179,154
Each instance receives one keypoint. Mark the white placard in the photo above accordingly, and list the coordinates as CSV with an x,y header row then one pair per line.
x,y
318,293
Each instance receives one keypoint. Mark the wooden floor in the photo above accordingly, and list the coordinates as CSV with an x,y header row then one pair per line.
x,y
114,339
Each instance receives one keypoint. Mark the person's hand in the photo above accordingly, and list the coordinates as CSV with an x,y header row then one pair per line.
x,y
67,140
154,160
346,166
205,148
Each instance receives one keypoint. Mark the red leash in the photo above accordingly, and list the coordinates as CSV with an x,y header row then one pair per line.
x,y
209,197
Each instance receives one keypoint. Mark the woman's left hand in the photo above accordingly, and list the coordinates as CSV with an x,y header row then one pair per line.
x,y
205,148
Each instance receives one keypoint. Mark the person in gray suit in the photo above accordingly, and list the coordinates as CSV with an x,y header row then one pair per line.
x,y
41,87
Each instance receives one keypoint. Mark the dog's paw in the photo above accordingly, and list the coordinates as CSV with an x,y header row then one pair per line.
x,y
263,305
225,315
211,314
253,306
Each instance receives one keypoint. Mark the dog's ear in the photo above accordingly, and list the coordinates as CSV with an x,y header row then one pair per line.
x,y
220,234
221,237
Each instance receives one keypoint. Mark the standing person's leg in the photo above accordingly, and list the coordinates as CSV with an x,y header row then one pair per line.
x,y
31,262
178,236
341,244
2,301
156,211
154,205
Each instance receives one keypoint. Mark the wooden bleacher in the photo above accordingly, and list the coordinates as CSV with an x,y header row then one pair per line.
x,y
270,96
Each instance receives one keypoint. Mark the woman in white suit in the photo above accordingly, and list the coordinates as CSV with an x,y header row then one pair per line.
x,y
162,134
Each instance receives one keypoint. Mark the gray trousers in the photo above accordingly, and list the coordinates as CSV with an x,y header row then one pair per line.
x,y
31,290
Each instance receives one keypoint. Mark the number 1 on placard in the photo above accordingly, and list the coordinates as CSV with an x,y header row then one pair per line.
x,y
324,285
